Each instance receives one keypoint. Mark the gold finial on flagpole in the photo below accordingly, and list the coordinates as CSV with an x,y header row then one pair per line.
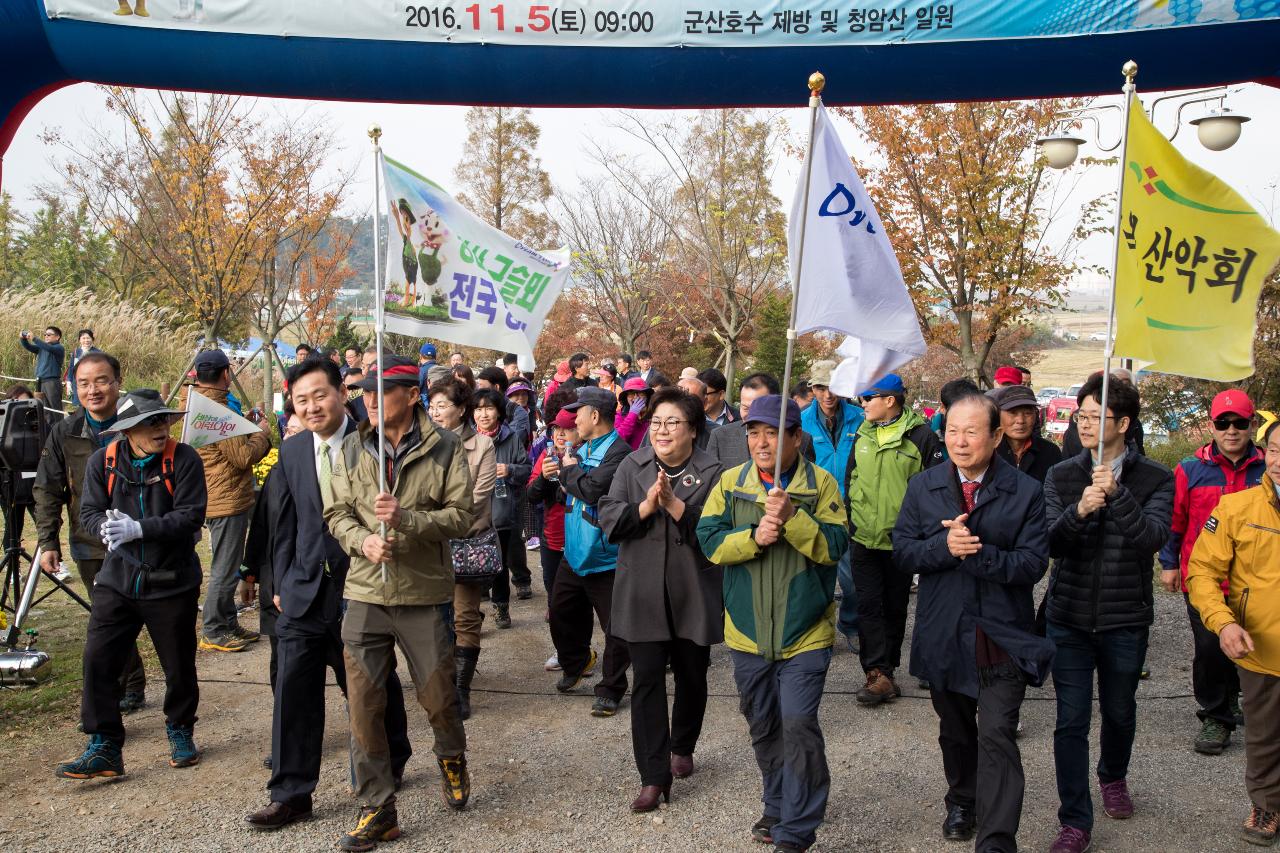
x,y
1129,70
817,82
375,132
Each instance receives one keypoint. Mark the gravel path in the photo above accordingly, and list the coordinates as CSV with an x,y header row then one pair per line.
x,y
548,776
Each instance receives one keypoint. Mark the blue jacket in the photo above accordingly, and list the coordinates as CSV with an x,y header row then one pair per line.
x,y
832,457
586,547
991,590
48,358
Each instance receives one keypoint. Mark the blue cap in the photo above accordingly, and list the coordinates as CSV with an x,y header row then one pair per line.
x,y
428,350
890,383
765,410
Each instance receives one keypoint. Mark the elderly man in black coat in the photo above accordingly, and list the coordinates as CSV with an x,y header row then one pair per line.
x,y
974,529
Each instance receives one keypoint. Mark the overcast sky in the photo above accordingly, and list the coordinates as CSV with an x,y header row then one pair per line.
x,y
430,139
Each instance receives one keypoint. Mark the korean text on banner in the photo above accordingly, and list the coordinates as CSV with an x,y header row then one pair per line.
x,y
452,277
850,280
208,422
1192,259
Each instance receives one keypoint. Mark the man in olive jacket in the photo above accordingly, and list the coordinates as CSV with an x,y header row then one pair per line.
x,y
399,589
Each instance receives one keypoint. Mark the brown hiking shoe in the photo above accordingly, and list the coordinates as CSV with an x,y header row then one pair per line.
x,y
879,688
1261,827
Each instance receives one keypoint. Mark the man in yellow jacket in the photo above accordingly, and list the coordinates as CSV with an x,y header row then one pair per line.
x,y
1240,546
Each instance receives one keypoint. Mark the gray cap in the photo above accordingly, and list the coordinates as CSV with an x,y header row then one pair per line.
x,y
1013,397
595,397
142,405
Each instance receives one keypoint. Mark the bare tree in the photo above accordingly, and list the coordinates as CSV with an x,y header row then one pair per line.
x,y
620,248
727,227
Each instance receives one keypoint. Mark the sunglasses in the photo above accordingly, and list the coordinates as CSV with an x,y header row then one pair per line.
x,y
867,398
156,420
1224,424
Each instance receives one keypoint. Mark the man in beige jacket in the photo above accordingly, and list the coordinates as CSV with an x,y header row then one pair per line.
x,y
228,475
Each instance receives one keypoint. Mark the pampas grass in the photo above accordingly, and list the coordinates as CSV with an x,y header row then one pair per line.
x,y
153,344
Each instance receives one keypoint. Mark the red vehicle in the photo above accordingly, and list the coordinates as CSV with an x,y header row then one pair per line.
x,y
1057,416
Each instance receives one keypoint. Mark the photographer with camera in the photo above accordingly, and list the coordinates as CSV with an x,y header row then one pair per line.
x,y
60,483
145,496
49,357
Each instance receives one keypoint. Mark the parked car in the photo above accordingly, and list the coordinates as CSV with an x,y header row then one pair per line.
x,y
1098,337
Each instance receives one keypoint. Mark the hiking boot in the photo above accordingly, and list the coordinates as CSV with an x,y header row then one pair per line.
x,y
377,823
455,782
1261,827
788,847
1071,840
762,830
1116,801
223,643
569,680
524,592
604,707
879,688
182,748
100,759
242,633
502,615
132,701
464,661
1213,738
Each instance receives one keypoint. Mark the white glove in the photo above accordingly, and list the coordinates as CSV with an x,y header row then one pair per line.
x,y
119,529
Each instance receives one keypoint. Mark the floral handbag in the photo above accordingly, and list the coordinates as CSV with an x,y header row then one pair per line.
x,y
478,558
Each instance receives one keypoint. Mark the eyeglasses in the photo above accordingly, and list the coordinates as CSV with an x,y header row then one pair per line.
x,y
101,382
1089,420
1224,424
669,424
440,408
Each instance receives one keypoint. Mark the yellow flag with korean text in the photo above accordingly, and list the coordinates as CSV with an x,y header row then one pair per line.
x,y
1192,258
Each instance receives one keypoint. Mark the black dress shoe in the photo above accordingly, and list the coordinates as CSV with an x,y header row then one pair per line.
x,y
276,815
959,824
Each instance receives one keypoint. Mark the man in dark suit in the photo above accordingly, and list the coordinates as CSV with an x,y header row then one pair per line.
x,y
975,530
310,568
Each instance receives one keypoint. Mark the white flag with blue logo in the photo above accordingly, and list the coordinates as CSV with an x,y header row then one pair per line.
x,y
850,280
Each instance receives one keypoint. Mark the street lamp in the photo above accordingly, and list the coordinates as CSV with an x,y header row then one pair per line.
x,y
1218,130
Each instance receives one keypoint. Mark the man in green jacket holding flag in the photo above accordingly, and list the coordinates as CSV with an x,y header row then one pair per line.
x,y
892,445
779,543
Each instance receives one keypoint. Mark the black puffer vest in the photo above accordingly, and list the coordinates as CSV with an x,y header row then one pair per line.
x,y
1102,574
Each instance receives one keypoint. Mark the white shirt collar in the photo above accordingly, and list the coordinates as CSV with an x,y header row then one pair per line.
x,y
977,479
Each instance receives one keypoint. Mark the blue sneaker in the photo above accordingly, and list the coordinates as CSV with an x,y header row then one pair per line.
x,y
182,749
101,759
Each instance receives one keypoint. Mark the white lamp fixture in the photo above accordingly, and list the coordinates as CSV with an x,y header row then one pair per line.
x,y
1060,149
1219,129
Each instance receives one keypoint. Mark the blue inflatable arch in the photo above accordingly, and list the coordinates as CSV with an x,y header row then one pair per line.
x,y
697,53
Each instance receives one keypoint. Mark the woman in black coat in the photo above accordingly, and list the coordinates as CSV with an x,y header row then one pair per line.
x,y
489,413
667,596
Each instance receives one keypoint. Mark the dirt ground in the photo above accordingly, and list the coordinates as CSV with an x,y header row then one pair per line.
x,y
547,776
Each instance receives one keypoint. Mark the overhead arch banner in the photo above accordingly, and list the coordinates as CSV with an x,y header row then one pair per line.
x,y
666,23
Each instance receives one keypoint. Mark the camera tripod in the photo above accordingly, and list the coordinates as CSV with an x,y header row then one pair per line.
x,y
16,596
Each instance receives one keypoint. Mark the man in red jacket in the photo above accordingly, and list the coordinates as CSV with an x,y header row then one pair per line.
x,y
1230,463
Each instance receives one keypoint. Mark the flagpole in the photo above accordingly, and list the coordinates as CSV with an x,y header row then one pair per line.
x,y
817,83
375,134
1130,71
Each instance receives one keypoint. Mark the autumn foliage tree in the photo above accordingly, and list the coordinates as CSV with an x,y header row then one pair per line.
x,y
199,192
500,177
966,203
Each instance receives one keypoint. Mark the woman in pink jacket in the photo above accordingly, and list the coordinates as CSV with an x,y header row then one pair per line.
x,y
633,414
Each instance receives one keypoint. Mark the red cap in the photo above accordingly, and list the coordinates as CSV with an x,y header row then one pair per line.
x,y
1232,401
562,372
1009,375
566,419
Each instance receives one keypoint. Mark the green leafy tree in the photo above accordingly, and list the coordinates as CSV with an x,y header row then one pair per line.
x,y
345,336
770,354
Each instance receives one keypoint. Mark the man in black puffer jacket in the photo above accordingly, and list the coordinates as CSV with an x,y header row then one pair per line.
x,y
1106,523
145,497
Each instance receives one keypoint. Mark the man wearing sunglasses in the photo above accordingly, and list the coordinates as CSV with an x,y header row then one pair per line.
x,y
892,445
1230,463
